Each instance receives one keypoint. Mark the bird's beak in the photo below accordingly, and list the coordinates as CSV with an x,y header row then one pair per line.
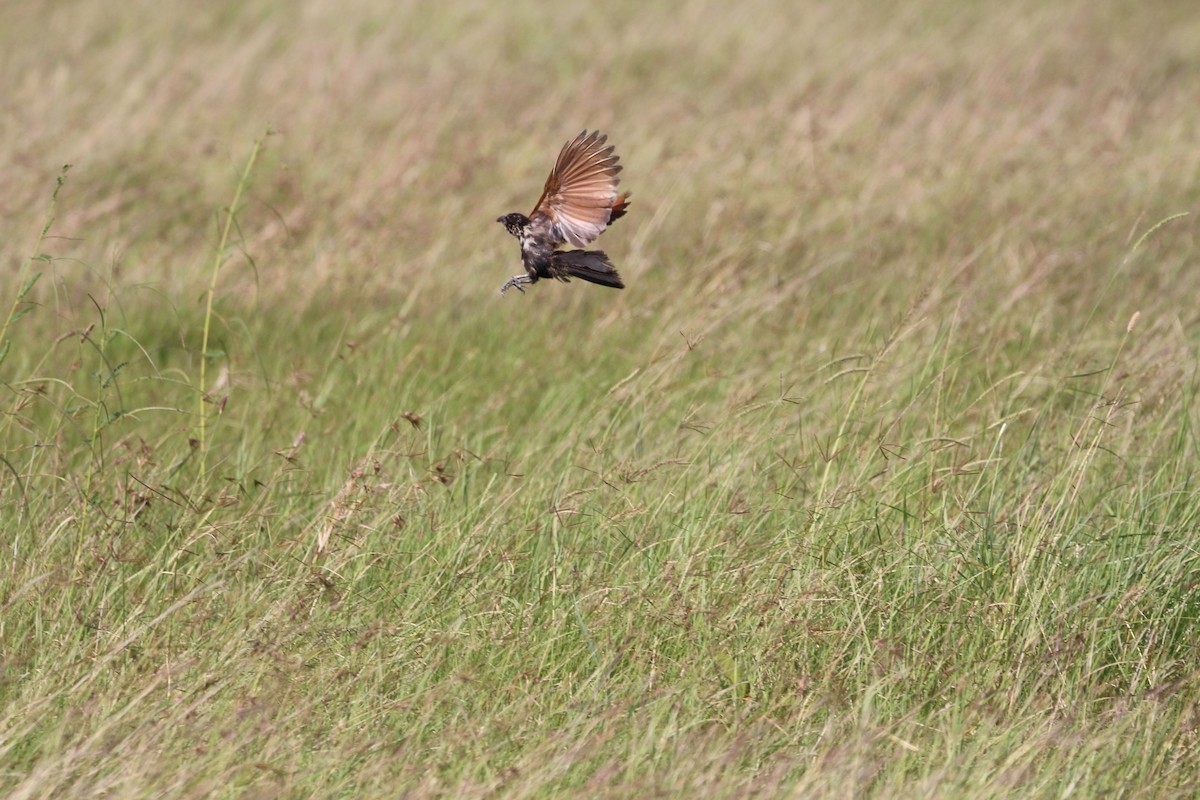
x,y
499,219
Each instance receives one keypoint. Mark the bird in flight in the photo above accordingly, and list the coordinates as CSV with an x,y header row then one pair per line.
x,y
580,200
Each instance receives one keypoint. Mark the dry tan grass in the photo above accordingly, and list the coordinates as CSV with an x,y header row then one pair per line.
x,y
753,135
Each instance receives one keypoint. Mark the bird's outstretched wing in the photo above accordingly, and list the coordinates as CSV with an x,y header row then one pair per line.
x,y
581,191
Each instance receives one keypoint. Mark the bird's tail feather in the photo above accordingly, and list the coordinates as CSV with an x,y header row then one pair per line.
x,y
590,265
619,207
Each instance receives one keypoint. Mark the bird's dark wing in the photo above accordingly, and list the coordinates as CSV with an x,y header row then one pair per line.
x,y
581,190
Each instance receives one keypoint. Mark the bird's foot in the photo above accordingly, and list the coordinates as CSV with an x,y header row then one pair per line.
x,y
515,282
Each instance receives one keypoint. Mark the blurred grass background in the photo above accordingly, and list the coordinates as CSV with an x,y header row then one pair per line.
x,y
878,480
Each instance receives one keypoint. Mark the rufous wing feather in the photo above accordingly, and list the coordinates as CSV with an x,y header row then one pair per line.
x,y
581,192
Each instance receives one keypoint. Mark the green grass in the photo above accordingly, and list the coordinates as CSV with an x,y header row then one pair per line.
x,y
878,480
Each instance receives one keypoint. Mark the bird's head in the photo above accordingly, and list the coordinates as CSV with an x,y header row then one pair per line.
x,y
514,223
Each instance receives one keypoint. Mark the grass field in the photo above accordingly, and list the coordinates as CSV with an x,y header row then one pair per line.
x,y
878,480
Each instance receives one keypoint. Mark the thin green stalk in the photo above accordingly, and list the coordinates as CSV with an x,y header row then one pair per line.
x,y
23,282
218,261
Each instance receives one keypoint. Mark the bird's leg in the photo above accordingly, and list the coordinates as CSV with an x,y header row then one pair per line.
x,y
516,281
